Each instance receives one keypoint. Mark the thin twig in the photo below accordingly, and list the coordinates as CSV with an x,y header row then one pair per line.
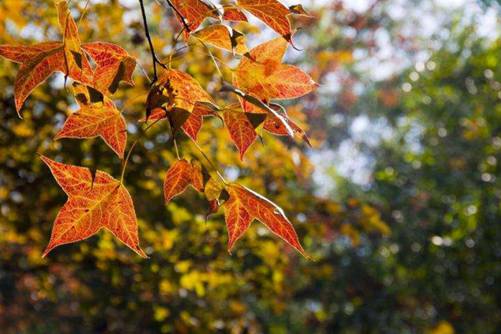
x,y
154,57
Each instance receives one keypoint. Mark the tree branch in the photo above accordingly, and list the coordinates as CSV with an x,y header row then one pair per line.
x,y
154,57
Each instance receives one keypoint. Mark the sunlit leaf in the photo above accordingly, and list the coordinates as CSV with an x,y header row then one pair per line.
x,y
223,37
244,205
271,12
101,119
191,13
234,14
179,176
93,204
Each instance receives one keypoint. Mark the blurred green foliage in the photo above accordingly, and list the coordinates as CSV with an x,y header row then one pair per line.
x,y
416,250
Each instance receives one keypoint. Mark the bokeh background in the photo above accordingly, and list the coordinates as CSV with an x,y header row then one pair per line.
x,y
398,201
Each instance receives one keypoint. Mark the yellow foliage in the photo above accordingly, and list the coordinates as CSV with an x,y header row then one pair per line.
x,y
443,327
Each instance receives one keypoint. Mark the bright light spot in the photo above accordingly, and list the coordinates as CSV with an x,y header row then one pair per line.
x,y
471,210
488,74
486,177
406,87
437,241
420,66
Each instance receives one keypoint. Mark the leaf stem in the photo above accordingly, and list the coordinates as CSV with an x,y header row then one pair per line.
x,y
211,56
177,149
129,153
213,166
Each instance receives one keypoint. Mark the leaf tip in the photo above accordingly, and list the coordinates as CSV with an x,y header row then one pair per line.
x,y
140,252
47,250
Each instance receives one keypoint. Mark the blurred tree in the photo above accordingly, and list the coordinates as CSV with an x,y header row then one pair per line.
x,y
436,181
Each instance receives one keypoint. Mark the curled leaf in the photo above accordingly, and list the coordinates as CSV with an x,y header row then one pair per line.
x,y
223,37
176,89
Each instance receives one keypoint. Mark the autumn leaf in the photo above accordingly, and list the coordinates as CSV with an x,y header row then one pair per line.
x,y
271,12
213,190
179,90
263,75
244,205
101,119
114,64
234,14
191,13
76,64
179,176
223,37
40,61
174,97
276,126
194,122
241,127
93,204
237,219
197,176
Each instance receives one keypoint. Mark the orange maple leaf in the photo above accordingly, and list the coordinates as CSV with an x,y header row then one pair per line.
x,y
178,90
263,75
39,61
234,14
276,126
101,119
180,98
194,122
271,12
241,128
223,37
191,13
93,204
114,64
179,176
244,205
